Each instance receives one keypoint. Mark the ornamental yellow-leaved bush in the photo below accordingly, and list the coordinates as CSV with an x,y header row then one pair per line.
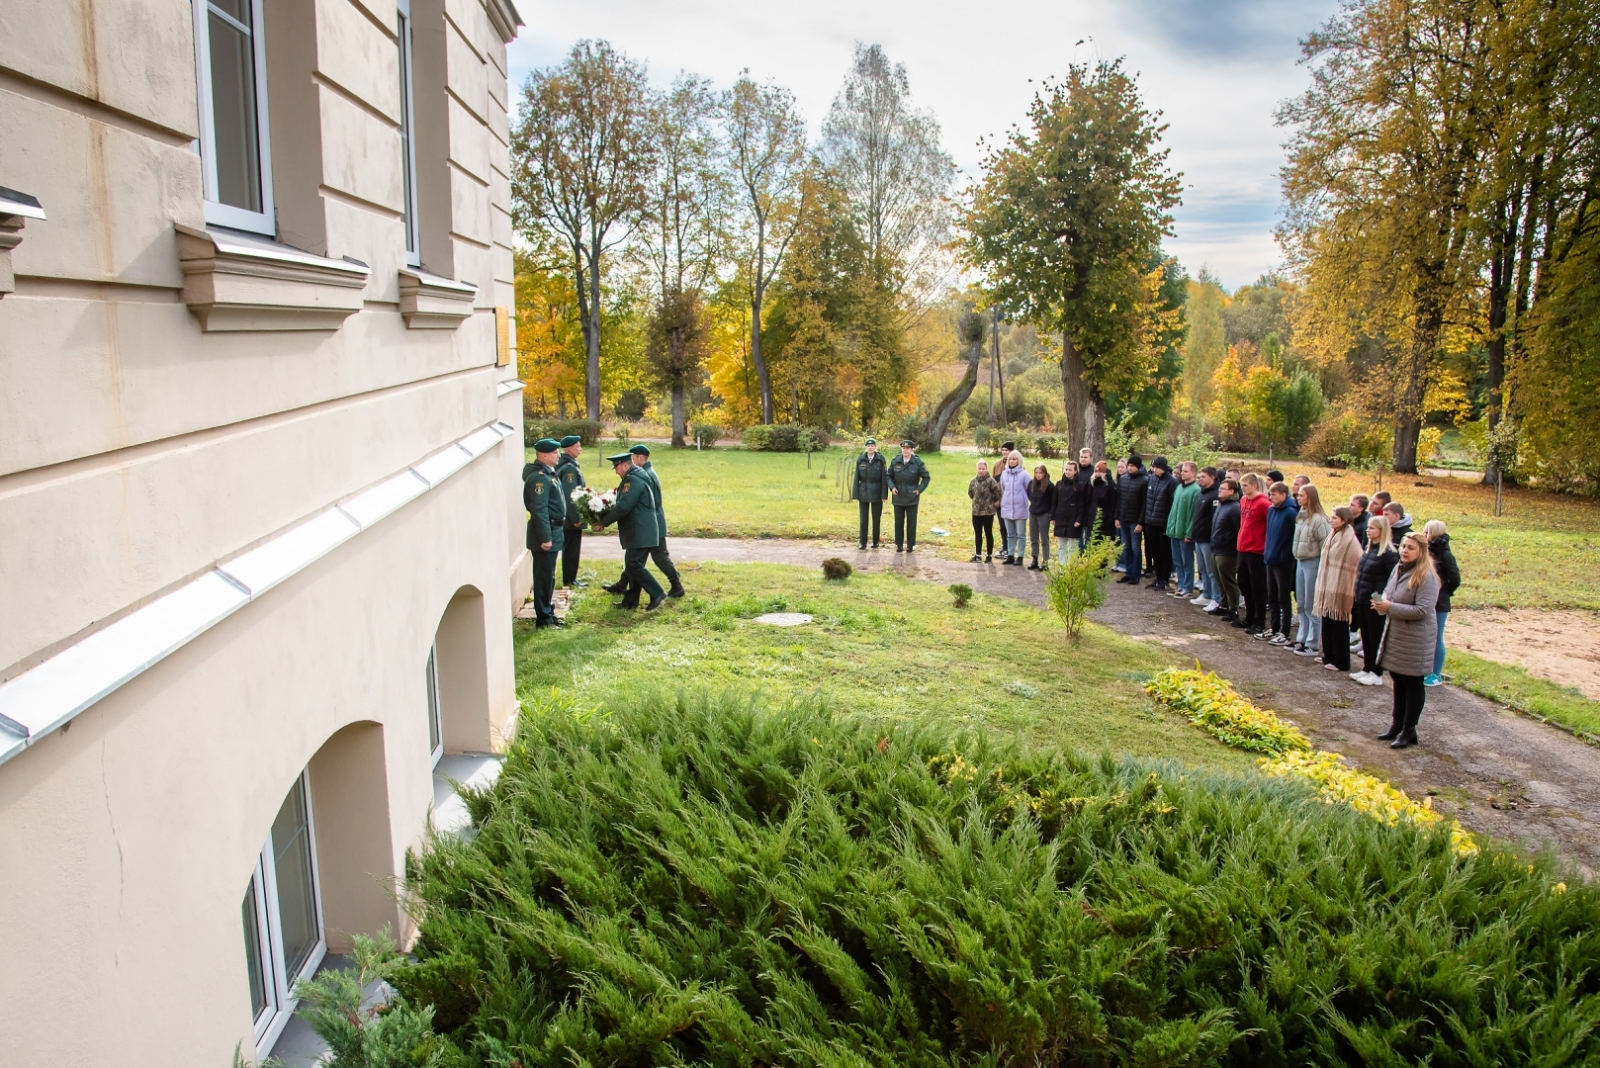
x,y
1211,704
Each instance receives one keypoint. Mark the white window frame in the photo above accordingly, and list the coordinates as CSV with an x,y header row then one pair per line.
x,y
217,213
435,706
281,1003
408,133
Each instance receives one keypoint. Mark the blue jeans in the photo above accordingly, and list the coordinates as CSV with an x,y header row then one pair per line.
x,y
1305,594
1183,565
1016,537
1132,551
1208,574
1438,644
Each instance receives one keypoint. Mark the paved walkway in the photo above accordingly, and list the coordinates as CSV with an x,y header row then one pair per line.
x,y
1499,773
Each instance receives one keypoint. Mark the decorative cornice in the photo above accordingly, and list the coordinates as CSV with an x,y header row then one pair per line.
x,y
505,17
430,302
233,281
48,695
15,209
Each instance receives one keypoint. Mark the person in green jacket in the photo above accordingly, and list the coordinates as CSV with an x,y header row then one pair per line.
x,y
547,514
659,555
870,487
635,517
571,476
908,477
1179,520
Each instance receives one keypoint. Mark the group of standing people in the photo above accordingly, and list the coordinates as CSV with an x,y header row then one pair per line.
x,y
556,524
1253,551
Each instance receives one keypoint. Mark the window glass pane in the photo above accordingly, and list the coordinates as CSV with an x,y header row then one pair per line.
x,y
405,134
252,954
239,9
297,904
233,110
433,706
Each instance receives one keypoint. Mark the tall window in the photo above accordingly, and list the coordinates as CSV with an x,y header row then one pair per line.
x,y
230,66
408,148
435,724
283,937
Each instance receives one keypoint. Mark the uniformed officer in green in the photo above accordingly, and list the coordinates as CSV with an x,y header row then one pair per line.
x,y
870,487
547,513
635,517
571,476
659,555
908,477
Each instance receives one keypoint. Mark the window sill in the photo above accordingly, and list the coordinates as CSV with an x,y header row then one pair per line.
x,y
15,209
233,282
429,302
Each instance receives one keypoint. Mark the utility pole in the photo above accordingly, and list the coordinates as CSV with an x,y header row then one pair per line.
x,y
992,361
994,349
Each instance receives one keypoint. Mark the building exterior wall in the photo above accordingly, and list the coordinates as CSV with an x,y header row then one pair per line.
x,y
143,443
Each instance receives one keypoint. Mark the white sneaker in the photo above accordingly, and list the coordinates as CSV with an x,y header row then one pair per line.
x,y
1213,604
1202,599
1367,678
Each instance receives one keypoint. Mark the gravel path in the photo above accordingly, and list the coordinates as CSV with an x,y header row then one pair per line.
x,y
1499,773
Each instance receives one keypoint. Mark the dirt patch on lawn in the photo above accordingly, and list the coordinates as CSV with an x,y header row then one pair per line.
x,y
1562,645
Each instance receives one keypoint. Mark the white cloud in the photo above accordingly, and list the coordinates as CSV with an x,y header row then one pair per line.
x,y
1217,69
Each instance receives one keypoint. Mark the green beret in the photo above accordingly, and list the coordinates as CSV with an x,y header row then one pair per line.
x,y
620,458
908,444
642,450
872,441
546,445
570,440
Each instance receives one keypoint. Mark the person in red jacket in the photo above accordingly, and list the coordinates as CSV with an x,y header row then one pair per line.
x,y
1252,552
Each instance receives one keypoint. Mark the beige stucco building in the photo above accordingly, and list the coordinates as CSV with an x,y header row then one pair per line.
x,y
260,516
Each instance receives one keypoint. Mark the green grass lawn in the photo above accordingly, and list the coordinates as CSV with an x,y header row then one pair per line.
x,y
1514,687
1539,554
881,646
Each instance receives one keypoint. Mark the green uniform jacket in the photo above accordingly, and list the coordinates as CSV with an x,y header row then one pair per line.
x,y
541,495
909,478
571,476
655,491
872,479
1181,518
635,512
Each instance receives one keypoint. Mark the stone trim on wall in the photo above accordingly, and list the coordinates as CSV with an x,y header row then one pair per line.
x,y
233,281
15,209
430,302
47,696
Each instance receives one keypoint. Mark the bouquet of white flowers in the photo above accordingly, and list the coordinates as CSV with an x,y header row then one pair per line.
x,y
592,504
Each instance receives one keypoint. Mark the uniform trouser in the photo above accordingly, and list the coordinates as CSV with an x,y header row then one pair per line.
x,y
1207,569
1370,623
982,527
905,526
1305,595
1336,633
544,584
658,555
1280,582
1039,531
1131,558
1160,554
1253,587
1226,566
637,577
571,553
1409,695
1183,564
875,508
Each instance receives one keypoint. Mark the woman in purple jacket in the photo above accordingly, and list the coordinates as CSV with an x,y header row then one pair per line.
x,y
1014,507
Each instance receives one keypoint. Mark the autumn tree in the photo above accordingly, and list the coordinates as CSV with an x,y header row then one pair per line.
x,y
1065,223
766,144
679,341
581,152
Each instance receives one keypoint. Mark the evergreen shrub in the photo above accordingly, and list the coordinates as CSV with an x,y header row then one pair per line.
x,y
758,438
960,593
837,569
706,433
692,879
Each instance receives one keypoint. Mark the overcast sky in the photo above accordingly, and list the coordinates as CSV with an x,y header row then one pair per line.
x,y
1216,68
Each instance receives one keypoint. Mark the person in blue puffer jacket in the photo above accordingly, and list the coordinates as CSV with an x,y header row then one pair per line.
x,y
1279,556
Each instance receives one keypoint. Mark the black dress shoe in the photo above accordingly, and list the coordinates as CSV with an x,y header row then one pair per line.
x,y
624,604
615,587
859,548
655,604
555,624
1402,742
1389,735
676,591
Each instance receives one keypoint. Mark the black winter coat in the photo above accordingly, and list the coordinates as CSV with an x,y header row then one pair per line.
x,y
1359,525
1225,528
1204,512
1131,489
1041,497
1099,508
1068,513
1373,575
1444,562
1158,501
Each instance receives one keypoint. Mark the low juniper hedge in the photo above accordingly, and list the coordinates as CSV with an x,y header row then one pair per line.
x,y
693,879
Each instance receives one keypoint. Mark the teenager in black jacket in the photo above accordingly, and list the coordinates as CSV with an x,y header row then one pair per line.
x,y
1100,506
1200,533
1225,552
1157,508
1372,576
1449,572
1070,526
1131,487
1041,507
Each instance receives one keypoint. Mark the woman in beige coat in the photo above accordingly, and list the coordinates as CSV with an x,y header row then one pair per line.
x,y
1408,638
